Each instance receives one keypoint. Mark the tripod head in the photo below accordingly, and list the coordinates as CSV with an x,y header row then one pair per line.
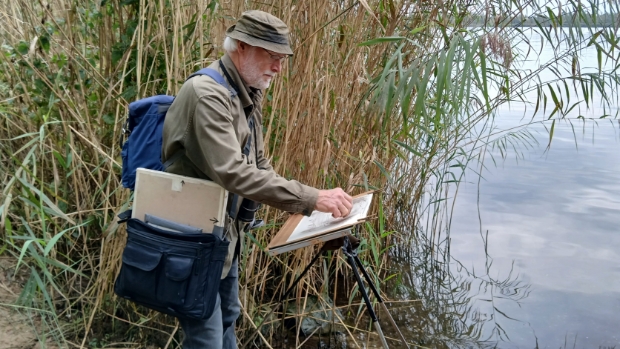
x,y
348,247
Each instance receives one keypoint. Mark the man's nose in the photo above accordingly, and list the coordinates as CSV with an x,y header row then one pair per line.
x,y
276,66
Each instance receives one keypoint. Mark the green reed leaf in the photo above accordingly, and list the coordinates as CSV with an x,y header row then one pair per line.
x,y
49,245
408,148
382,40
57,211
22,253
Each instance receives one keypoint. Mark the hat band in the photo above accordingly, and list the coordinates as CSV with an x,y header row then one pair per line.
x,y
276,39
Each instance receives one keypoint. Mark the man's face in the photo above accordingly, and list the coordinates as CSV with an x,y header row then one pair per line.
x,y
258,66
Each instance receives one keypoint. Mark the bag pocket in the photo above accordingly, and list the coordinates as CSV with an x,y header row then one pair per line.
x,y
214,264
174,281
138,276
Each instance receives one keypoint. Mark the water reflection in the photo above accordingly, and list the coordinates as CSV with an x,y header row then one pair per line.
x,y
455,306
530,259
554,214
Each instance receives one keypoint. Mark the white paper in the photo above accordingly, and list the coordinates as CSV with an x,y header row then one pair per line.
x,y
321,222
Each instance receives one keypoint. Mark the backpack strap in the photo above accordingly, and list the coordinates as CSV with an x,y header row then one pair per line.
x,y
174,158
215,75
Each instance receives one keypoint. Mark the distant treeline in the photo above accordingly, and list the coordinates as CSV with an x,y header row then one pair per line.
x,y
565,20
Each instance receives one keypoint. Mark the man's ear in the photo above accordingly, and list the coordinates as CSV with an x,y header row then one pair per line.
x,y
241,46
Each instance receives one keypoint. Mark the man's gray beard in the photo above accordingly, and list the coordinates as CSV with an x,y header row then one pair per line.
x,y
257,75
261,87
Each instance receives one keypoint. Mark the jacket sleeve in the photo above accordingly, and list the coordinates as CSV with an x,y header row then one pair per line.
x,y
227,166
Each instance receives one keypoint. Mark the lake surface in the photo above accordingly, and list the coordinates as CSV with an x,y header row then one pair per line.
x,y
552,217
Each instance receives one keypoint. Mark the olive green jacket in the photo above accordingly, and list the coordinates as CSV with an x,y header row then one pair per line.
x,y
211,127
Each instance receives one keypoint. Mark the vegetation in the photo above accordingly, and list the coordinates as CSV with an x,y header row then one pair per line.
x,y
386,94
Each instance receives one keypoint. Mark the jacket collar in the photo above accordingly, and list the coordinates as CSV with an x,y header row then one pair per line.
x,y
246,93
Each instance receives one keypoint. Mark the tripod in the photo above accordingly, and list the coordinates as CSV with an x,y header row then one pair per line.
x,y
353,259
351,253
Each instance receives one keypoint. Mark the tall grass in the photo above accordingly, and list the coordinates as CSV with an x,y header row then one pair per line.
x,y
380,94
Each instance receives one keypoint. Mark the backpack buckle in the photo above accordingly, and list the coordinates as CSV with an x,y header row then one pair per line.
x,y
125,132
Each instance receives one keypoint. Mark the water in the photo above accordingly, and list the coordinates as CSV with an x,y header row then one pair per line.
x,y
552,217
556,215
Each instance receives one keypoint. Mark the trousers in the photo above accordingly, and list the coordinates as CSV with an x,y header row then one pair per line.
x,y
218,331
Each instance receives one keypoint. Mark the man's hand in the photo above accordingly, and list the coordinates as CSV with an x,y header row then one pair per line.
x,y
335,201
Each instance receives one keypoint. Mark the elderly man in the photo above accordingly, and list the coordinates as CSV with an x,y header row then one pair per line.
x,y
211,125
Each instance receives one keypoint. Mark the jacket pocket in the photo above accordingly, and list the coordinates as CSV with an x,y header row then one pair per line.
x,y
174,282
138,276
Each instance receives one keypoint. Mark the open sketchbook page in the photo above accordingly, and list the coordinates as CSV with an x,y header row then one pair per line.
x,y
321,222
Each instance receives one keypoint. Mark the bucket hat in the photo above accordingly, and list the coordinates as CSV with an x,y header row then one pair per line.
x,y
258,28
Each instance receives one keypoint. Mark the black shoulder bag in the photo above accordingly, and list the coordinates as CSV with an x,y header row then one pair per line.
x,y
171,268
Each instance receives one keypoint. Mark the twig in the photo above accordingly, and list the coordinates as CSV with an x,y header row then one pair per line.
x,y
94,146
245,313
176,328
310,336
7,289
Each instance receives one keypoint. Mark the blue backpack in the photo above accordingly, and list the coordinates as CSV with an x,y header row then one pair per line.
x,y
143,132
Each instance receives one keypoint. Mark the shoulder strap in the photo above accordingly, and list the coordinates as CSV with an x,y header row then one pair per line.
x,y
230,80
174,158
232,212
215,75
124,216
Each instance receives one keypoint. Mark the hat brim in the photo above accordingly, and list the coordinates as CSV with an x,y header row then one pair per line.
x,y
254,41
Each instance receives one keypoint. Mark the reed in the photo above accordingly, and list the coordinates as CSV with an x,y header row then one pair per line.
x,y
379,94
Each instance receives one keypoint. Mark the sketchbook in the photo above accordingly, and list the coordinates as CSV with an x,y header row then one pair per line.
x,y
301,231
184,200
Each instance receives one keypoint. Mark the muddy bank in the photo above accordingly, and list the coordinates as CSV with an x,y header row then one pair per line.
x,y
16,331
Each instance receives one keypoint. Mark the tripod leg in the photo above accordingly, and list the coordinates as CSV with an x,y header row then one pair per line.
x,y
288,291
371,311
376,293
303,273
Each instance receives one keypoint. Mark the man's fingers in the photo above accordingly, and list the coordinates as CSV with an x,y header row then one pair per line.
x,y
344,196
348,205
349,197
336,201
343,203
336,213
341,210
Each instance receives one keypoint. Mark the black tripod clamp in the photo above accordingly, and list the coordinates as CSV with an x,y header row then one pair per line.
x,y
348,249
